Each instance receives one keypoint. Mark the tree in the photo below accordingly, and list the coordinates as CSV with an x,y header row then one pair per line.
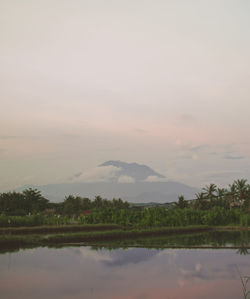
x,y
72,205
34,201
209,190
241,190
182,203
98,201
221,198
231,195
200,201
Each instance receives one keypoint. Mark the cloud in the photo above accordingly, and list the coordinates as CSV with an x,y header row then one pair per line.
x,y
154,178
99,256
77,175
3,137
186,118
195,157
223,174
140,131
214,153
131,256
125,179
184,157
97,174
231,157
199,147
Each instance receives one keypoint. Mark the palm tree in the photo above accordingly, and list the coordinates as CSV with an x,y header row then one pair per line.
x,y
232,195
200,201
221,195
209,192
241,189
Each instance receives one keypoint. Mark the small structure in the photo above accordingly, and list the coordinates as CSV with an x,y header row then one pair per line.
x,y
86,213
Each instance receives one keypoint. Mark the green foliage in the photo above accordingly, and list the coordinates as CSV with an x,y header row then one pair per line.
x,y
182,203
153,217
236,196
244,220
19,204
212,206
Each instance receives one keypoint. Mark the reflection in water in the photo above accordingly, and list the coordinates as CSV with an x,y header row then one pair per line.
x,y
80,272
244,242
213,239
244,283
243,250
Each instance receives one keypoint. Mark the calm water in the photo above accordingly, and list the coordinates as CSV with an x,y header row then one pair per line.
x,y
139,273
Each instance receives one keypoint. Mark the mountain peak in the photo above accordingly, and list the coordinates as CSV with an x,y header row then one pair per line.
x,y
134,170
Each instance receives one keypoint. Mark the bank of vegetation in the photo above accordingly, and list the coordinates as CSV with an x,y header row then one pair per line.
x,y
213,206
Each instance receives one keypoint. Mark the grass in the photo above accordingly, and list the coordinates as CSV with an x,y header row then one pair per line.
x,y
57,229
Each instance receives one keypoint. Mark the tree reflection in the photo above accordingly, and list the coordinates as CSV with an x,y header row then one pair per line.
x,y
244,282
243,250
244,243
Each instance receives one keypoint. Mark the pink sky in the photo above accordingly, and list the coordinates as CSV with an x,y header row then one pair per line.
x,y
82,83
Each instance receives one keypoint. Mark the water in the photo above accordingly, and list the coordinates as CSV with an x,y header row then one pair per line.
x,y
138,273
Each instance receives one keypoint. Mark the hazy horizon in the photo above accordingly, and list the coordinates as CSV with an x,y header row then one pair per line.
x,y
160,83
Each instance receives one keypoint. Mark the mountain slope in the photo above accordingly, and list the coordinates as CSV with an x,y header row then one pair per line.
x,y
134,192
136,171
140,189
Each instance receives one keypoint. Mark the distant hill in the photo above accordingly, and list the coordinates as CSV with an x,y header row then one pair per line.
x,y
140,190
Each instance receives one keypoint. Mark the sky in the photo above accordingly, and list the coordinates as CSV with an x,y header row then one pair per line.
x,y
157,82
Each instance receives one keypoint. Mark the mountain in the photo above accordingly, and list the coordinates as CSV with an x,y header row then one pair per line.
x,y
137,171
140,189
142,192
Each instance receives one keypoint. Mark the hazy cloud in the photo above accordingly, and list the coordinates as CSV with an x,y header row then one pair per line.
x,y
195,157
93,254
4,137
184,157
140,131
214,153
186,119
223,174
231,157
199,147
125,179
77,175
154,178
97,174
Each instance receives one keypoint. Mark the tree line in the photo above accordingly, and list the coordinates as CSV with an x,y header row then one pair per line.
x,y
31,201
212,206
236,195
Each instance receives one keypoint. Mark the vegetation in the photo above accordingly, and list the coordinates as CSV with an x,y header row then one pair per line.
x,y
28,220
212,206
57,229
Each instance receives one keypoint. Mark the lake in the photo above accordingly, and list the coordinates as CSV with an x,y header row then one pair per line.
x,y
132,272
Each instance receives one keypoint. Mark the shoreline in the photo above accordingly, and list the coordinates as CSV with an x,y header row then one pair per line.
x,y
20,240
104,235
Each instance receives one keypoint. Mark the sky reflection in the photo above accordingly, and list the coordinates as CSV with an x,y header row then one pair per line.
x,y
138,273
